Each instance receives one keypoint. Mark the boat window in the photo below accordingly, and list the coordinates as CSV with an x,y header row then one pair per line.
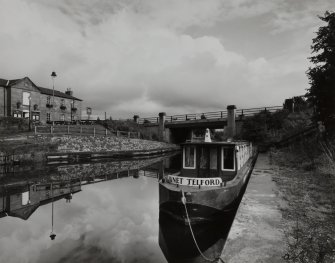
x,y
189,157
213,158
203,158
228,159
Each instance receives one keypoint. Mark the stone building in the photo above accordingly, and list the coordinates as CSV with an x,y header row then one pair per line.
x,y
20,98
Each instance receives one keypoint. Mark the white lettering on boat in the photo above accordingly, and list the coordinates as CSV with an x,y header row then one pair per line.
x,y
216,181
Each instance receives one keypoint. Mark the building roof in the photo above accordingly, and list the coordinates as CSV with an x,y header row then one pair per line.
x,y
7,83
3,82
56,93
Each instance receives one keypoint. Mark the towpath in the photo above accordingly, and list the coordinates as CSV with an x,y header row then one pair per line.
x,y
257,232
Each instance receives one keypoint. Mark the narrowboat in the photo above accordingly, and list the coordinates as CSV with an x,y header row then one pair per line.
x,y
210,181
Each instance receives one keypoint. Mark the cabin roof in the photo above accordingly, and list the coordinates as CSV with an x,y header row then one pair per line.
x,y
217,143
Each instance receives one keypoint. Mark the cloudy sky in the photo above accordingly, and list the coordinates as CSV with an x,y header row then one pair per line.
x,y
142,57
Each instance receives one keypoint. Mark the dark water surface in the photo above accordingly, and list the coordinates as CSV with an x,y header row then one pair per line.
x,y
99,212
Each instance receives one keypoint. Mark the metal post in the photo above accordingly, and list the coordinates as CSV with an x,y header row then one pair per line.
x,y
53,75
35,130
29,112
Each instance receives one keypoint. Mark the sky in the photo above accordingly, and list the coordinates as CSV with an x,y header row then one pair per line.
x,y
127,57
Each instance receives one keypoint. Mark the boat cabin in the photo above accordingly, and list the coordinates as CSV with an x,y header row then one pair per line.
x,y
214,159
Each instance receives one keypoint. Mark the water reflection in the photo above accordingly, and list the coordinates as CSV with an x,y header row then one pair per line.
x,y
96,212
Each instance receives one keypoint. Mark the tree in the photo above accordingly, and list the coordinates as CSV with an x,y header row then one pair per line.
x,y
321,93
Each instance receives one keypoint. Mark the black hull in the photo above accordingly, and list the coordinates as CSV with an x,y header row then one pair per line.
x,y
205,204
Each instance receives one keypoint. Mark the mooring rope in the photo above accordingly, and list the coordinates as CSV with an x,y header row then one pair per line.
x,y
183,200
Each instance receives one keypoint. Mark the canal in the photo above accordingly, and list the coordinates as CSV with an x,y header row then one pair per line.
x,y
104,211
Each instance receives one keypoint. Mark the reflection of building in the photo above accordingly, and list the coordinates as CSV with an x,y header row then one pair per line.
x,y
20,96
22,201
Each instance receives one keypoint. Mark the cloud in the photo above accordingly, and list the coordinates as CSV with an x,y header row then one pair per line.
x,y
139,57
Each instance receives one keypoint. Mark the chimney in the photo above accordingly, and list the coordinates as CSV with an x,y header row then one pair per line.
x,y
231,129
69,92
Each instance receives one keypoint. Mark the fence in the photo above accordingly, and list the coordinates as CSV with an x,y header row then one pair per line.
x,y
83,130
211,115
7,159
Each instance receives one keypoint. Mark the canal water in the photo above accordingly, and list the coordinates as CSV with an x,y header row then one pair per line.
x,y
97,212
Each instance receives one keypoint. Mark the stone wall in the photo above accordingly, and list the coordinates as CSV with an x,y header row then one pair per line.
x,y
101,144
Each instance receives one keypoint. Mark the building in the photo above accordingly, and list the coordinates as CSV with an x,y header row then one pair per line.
x,y
21,98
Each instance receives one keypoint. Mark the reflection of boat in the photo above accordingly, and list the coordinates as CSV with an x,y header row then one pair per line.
x,y
178,245
211,179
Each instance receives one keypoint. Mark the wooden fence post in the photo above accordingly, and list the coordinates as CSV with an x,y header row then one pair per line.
x,y
117,134
94,131
138,135
35,130
106,132
128,134
68,129
51,129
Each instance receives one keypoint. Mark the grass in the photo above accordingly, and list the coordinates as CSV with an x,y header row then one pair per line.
x,y
306,179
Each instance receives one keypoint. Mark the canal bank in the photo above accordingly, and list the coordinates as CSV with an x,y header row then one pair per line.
x,y
257,234
74,148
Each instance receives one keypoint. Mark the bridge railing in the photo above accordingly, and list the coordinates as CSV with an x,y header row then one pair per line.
x,y
211,115
254,111
148,120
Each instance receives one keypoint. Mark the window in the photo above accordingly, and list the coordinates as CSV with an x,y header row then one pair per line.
x,y
62,102
48,100
204,158
189,157
213,158
48,117
228,159
62,117
25,114
17,114
26,98
36,117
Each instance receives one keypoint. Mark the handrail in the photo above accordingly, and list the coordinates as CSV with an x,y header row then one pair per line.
x,y
209,115
83,130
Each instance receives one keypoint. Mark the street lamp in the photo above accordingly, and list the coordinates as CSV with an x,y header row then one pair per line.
x,y
53,76
29,112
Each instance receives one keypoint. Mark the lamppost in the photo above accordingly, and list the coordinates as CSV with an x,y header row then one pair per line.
x,y
53,76
29,112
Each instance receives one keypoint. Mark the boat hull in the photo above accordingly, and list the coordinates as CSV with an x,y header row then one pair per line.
x,y
204,204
